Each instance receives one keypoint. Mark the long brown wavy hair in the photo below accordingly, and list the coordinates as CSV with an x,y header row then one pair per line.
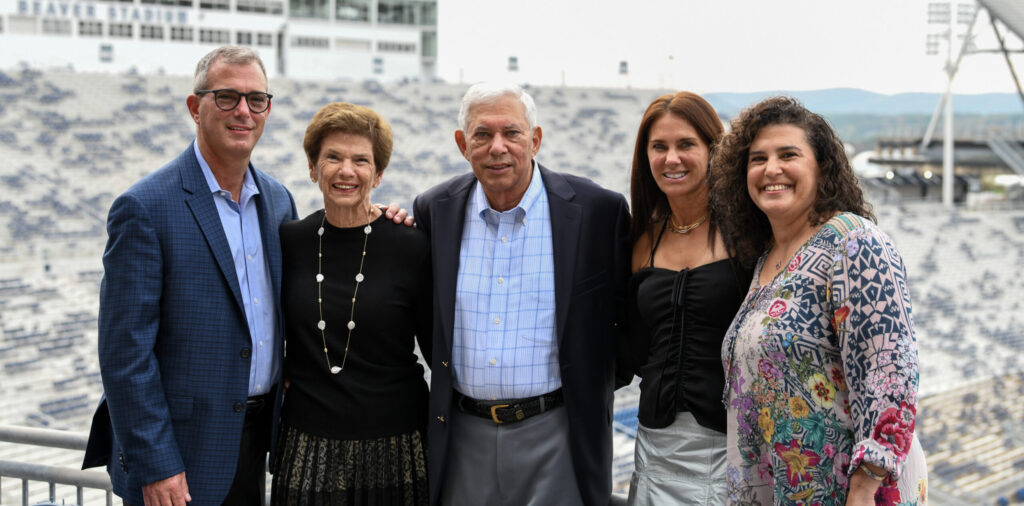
x,y
649,204
745,228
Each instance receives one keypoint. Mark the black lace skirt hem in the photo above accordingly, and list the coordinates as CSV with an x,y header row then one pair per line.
x,y
316,471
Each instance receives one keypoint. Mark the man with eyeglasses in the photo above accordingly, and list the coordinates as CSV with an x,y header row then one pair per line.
x,y
190,342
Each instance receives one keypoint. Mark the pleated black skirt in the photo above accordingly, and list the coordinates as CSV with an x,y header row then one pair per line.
x,y
316,471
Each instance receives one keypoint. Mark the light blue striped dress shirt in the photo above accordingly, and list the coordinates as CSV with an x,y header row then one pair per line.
x,y
241,224
504,345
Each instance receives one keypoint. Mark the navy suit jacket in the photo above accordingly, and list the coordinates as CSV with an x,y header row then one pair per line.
x,y
174,346
590,241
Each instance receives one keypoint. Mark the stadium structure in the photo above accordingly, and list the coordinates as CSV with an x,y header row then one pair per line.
x,y
72,137
302,39
960,161
72,141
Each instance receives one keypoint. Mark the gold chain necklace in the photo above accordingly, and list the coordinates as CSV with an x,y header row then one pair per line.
x,y
685,229
319,290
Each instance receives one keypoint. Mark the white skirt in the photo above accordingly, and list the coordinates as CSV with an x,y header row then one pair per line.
x,y
683,463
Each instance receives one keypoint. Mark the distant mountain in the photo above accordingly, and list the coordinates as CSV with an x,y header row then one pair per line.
x,y
856,101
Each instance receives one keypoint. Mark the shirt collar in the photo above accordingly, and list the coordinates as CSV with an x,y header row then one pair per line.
x,y
483,209
249,187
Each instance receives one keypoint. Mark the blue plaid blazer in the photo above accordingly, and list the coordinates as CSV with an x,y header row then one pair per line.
x,y
174,347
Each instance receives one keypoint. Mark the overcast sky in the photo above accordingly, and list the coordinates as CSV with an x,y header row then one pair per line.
x,y
711,45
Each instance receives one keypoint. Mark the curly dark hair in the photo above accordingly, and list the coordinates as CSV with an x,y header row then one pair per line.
x,y
649,204
745,227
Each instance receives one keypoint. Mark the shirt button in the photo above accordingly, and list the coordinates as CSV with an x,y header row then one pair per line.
x,y
239,407
501,280
261,344
504,239
494,361
256,300
246,352
497,321
250,258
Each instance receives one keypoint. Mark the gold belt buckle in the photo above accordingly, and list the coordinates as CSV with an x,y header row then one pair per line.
x,y
494,412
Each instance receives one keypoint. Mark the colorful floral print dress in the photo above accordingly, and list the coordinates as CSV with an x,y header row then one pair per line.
x,y
822,373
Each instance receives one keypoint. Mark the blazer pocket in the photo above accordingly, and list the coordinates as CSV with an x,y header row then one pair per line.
x,y
590,283
180,407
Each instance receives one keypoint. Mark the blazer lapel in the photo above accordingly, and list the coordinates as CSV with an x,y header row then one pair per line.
x,y
200,202
565,234
269,231
447,222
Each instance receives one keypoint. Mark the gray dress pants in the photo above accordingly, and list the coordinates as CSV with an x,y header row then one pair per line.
x,y
518,464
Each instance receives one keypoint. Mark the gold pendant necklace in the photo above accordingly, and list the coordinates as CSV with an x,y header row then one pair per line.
x,y
319,290
685,229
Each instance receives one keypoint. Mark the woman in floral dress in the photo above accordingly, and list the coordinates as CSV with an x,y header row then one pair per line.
x,y
821,359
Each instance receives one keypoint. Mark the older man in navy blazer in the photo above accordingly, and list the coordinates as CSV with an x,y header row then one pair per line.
x,y
189,326
530,268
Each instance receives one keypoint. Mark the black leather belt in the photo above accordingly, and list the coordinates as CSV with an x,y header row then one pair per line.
x,y
510,411
254,405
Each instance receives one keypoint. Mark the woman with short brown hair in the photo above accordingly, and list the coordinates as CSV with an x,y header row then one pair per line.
x,y
356,295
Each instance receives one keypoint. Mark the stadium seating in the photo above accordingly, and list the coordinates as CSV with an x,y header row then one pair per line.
x,y
70,142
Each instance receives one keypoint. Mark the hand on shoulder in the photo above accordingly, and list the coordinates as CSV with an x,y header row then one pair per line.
x,y
395,213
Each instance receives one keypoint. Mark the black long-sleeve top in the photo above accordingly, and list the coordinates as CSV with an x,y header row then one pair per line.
x,y
381,391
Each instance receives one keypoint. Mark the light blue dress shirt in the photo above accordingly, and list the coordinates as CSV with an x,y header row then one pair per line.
x,y
504,344
241,223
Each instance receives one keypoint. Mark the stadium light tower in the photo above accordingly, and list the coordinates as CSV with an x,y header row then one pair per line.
x,y
941,13
624,74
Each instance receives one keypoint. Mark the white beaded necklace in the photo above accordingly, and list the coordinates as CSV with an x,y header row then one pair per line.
x,y
319,292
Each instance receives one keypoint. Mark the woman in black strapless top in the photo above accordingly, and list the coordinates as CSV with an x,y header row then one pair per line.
x,y
684,293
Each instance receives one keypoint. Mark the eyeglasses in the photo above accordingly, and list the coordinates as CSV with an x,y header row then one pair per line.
x,y
227,99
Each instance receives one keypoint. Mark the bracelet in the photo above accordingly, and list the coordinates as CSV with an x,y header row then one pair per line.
x,y
870,474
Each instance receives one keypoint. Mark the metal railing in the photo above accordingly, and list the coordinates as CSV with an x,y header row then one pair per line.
x,y
76,477
53,475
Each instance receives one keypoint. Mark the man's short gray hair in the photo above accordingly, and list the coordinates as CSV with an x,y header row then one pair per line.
x,y
486,93
232,55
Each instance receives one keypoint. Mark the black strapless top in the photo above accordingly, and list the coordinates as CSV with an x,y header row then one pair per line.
x,y
677,320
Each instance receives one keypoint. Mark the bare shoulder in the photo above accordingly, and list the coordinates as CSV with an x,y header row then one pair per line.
x,y
641,252
717,249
